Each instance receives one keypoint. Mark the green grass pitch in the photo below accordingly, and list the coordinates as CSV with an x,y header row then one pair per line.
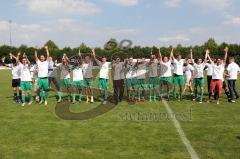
x,y
36,132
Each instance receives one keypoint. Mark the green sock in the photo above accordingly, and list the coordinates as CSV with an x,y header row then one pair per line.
x,y
174,93
30,97
46,95
201,94
195,92
59,95
105,95
74,97
41,95
180,94
23,98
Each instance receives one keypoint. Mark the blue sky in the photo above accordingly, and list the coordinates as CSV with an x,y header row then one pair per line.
x,y
145,22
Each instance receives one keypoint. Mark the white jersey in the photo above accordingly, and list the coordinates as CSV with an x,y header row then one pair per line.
x,y
188,71
218,71
141,70
209,69
233,70
153,69
25,73
178,66
131,70
77,73
166,69
42,69
87,70
104,69
198,70
53,72
16,72
65,74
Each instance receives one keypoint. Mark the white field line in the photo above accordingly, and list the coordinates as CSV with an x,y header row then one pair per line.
x,y
181,133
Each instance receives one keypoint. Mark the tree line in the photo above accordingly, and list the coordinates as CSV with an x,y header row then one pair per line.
x,y
112,47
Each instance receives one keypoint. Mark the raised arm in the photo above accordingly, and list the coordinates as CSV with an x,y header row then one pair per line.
x,y
159,55
94,57
191,55
226,55
80,55
206,56
36,55
172,55
47,51
25,56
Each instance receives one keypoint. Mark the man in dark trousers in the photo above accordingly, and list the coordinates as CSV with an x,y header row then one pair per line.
x,y
118,79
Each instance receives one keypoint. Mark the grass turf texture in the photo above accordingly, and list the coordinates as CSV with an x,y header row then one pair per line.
x,y
35,131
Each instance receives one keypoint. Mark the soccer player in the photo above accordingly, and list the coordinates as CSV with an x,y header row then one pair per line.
x,y
131,77
26,81
88,78
103,75
178,78
118,79
209,74
34,75
16,77
232,72
77,78
141,77
153,78
198,75
188,73
217,76
165,75
65,81
43,85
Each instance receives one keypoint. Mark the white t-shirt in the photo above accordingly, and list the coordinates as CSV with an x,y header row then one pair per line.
x,y
131,70
77,73
209,69
42,69
25,73
188,71
87,70
53,72
64,72
233,70
16,72
218,71
153,69
142,70
118,71
166,69
178,66
198,70
104,69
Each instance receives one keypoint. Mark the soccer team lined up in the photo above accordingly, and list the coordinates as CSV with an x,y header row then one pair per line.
x,y
145,79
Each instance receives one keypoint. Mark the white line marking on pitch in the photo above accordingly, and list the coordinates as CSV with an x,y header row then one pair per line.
x,y
181,133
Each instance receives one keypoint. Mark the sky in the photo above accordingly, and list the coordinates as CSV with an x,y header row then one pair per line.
x,y
144,22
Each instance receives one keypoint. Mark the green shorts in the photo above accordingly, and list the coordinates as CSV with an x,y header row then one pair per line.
x,y
178,80
165,80
26,85
103,83
42,84
153,82
88,82
141,83
198,82
132,83
65,83
78,84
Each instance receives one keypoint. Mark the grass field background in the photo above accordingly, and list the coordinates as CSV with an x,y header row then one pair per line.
x,y
36,132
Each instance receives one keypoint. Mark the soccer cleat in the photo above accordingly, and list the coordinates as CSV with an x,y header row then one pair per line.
x,y
30,103
87,100
218,102
92,100
59,100
41,102
23,104
200,102
104,102
45,103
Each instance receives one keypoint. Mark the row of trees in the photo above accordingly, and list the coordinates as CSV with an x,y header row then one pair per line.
x,y
112,47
